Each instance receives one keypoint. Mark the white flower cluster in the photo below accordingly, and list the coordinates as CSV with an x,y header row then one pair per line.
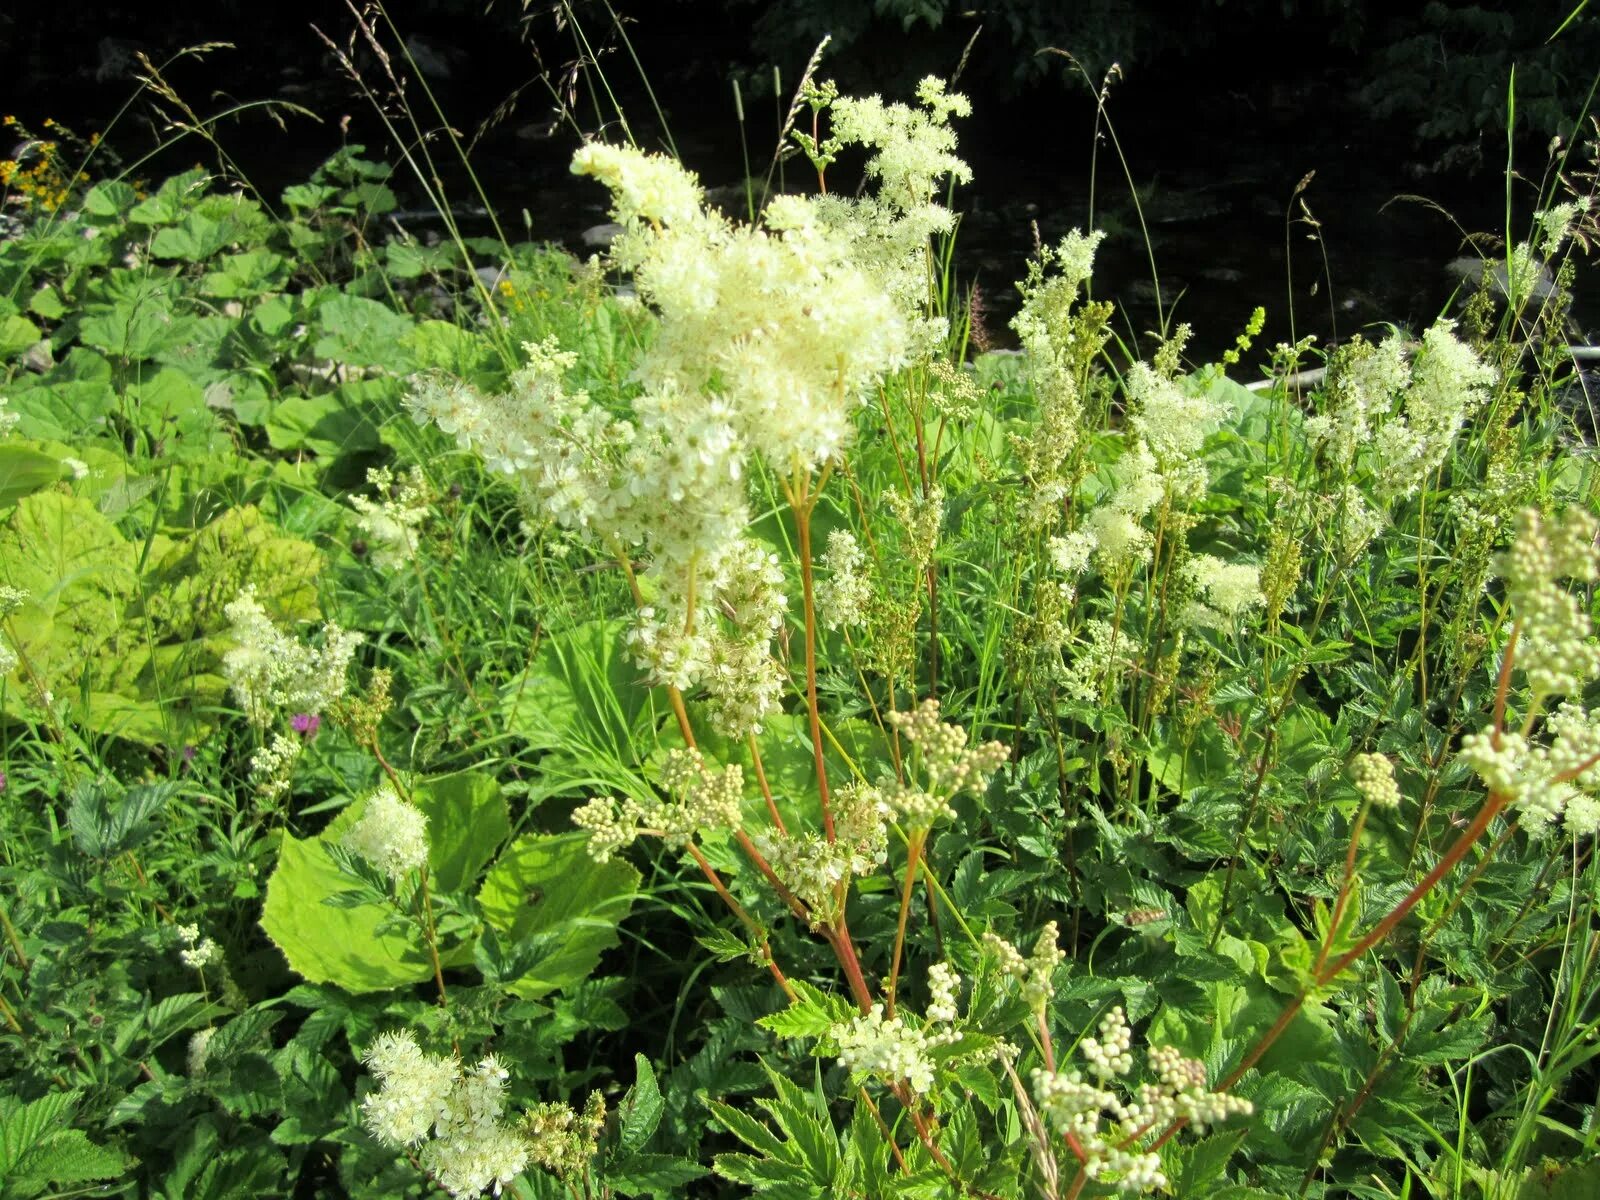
x,y
1173,422
703,798
845,591
1116,526
1400,417
272,766
197,953
8,420
1448,384
886,1048
199,1050
1107,1127
269,671
454,1114
1056,351
1226,589
1169,422
943,983
1556,648
1037,971
1098,664
913,153
811,867
1363,381
768,338
1373,775
1557,781
947,765
390,523
391,834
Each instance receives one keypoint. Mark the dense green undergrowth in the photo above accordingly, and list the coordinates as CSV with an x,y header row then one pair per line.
x,y
463,721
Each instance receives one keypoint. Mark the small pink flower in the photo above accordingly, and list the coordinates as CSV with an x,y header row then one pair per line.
x,y
306,724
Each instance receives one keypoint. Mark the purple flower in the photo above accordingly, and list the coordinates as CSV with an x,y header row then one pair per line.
x,y
188,754
2,781
306,724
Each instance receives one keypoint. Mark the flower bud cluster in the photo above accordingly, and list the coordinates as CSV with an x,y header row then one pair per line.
x,y
1037,971
844,592
1558,780
1107,1127
943,983
391,834
885,1048
454,1114
1373,775
704,798
1111,1054
1556,648
272,766
389,524
949,767
561,1140
269,671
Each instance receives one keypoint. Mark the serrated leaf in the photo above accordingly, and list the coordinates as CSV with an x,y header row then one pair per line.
x,y
769,1178
750,1131
641,1108
652,1175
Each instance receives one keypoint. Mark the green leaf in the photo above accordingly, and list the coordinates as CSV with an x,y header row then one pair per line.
x,y
47,303
652,1175
441,346
363,333
641,1108
109,199
24,470
136,329
328,425
172,200
38,1151
249,273
67,404
812,1014
750,1131
77,572
361,949
547,889
1555,1181
467,822
16,335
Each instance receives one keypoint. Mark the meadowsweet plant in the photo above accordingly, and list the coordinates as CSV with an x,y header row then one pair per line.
x,y
734,738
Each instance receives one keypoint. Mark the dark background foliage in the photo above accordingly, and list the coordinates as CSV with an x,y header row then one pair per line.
x,y
1222,107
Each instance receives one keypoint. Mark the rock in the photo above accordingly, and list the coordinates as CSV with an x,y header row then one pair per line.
x,y
601,236
40,356
1471,272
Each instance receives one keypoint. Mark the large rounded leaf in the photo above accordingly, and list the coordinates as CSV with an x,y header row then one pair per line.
x,y
361,947
328,944
547,894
